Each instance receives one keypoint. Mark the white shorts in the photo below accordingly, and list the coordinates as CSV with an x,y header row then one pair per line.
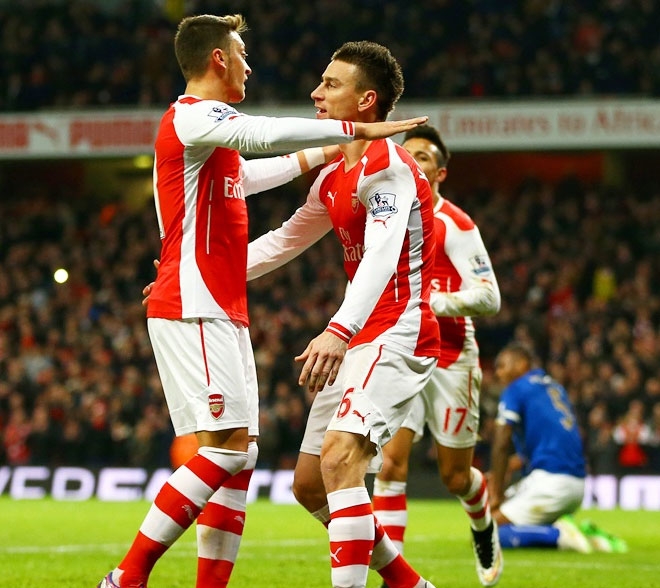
x,y
449,404
378,385
541,498
208,374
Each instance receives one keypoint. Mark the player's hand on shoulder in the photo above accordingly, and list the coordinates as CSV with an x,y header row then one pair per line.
x,y
382,130
322,357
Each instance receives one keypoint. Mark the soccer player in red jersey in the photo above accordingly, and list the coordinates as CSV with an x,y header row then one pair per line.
x,y
197,311
384,336
463,286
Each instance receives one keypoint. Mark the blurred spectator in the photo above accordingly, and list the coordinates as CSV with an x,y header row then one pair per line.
x,y
62,54
78,383
631,434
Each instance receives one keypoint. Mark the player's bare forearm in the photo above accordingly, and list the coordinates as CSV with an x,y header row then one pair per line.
x,y
382,130
322,357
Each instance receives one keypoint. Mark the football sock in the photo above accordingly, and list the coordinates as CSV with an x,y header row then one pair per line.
x,y
351,533
385,559
528,536
390,509
176,506
220,527
323,515
475,502
390,564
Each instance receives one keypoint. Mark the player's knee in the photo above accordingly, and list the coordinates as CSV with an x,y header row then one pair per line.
x,y
305,491
457,481
393,470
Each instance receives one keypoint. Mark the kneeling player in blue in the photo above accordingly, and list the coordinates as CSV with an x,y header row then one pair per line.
x,y
535,412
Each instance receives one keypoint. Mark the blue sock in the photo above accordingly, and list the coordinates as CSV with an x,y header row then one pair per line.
x,y
528,536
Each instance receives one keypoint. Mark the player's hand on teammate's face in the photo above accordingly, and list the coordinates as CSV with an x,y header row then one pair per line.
x,y
382,130
146,291
322,357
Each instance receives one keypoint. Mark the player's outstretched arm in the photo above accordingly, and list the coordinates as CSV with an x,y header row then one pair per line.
x,y
382,130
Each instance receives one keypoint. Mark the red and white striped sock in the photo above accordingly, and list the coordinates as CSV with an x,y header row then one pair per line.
x,y
390,509
351,533
391,565
323,515
220,527
475,502
385,559
176,506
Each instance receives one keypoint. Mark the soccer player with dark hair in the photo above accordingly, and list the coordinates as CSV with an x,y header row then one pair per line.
x,y
384,336
463,286
536,414
197,311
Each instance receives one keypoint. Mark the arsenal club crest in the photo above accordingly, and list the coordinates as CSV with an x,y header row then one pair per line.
x,y
216,405
355,202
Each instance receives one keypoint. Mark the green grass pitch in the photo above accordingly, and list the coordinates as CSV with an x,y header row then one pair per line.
x,y
72,545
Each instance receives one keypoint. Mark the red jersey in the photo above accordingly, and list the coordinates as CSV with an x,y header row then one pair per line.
x,y
200,184
381,211
463,284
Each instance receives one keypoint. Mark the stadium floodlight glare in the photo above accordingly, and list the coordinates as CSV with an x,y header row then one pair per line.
x,y
61,275
143,161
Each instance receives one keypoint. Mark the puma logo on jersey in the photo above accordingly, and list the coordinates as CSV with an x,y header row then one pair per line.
x,y
332,197
382,220
335,555
362,418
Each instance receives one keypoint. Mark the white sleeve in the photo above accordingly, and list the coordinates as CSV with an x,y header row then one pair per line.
x,y
263,174
479,294
385,232
307,225
212,123
269,172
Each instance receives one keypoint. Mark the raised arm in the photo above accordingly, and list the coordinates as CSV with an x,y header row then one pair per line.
x,y
212,123
269,172
307,225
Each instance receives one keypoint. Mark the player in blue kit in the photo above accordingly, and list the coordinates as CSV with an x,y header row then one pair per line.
x,y
535,412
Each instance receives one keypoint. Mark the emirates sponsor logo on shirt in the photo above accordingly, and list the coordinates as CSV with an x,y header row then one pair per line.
x,y
216,405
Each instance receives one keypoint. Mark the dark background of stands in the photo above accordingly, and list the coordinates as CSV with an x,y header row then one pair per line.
x,y
72,54
577,257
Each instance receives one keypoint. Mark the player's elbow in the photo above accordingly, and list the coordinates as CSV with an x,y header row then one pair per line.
x,y
492,301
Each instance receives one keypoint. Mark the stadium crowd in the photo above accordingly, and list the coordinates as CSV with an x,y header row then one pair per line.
x,y
578,268
61,54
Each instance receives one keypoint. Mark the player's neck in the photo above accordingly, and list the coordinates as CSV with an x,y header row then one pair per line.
x,y
353,152
207,88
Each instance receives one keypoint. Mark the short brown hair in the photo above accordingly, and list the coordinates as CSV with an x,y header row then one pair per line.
x,y
197,36
379,71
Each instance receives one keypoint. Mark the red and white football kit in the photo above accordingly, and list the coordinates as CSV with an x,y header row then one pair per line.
x,y
381,211
200,184
463,285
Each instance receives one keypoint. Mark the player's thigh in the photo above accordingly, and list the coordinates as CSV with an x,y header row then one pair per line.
x,y
416,418
323,407
542,497
451,399
378,385
201,364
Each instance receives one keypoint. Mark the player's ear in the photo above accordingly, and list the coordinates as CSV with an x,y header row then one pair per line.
x,y
442,175
367,100
219,58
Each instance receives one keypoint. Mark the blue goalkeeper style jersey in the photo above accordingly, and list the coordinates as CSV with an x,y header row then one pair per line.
x,y
545,430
